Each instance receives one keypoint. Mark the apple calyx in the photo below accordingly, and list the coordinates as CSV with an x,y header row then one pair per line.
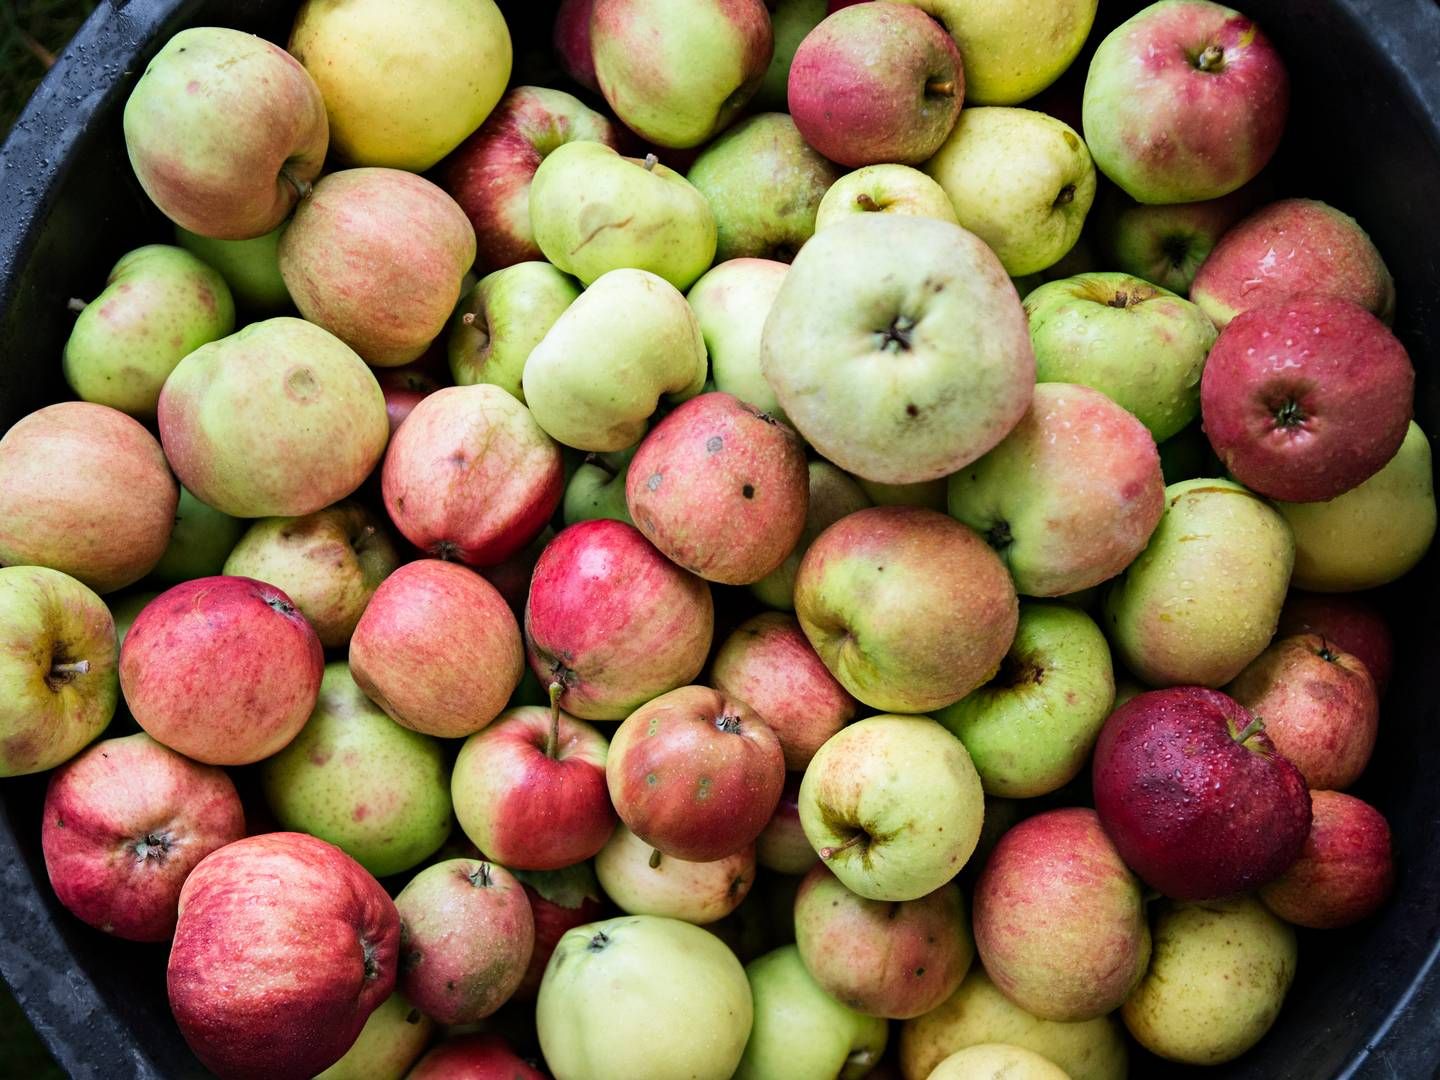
x,y
895,338
1289,414
1065,197
650,162
1210,59
830,851
598,942
728,723
1176,250
1326,653
371,960
482,877
998,536
445,550
64,672
153,847
279,604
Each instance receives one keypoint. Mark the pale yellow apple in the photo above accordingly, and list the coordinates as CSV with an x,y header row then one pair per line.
x,y
999,1060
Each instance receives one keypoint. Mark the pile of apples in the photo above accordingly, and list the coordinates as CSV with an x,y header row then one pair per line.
x,y
766,552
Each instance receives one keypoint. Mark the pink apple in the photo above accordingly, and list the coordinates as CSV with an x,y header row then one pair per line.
x,y
571,39
1346,870
473,1057
438,649
284,947
125,823
404,387
642,883
560,900
1307,398
783,846
1349,622
612,621
224,670
695,774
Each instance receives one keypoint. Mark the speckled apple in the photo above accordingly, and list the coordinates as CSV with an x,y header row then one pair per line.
x,y
499,322
1351,623
1346,870
997,1059
884,189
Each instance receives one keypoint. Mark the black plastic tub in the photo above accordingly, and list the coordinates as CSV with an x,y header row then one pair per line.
x,y
1364,135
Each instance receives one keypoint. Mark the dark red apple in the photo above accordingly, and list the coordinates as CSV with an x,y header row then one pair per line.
x,y
1305,399
404,387
560,900
1195,796
1346,871
511,575
572,42
474,1057
1350,622
782,846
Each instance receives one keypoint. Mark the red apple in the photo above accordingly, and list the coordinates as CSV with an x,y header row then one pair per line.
x,y
404,387
782,846
1350,622
224,670
612,621
438,649
511,575
695,774
125,823
1195,796
560,900
1305,399
471,476
642,882
284,947
1346,870
474,1057
571,39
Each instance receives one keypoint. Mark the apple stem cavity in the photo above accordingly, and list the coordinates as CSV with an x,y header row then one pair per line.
x,y
650,162
1065,197
552,738
830,851
999,535
1211,59
64,672
655,856
152,847
76,305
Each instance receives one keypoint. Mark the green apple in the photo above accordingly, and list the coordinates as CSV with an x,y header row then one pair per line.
x,y
499,322
1371,534
403,83
833,495
1204,598
790,21
998,1059
800,1031
250,267
594,210
358,780
930,494
642,883
202,539
159,304
1188,455
1030,729
394,1035
1140,345
764,183
597,488
643,998
597,376
1020,180
124,610
732,301
884,189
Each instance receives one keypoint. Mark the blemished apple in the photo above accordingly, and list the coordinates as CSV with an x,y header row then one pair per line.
x,y
571,40
124,824
1166,244
1194,795
471,476
403,85
369,244
800,1031
224,670
697,892
782,845
997,1059
898,348
613,622
720,488
105,517
284,916
394,1036
1351,623
1346,870
893,806
281,418
1291,248
250,267
833,494
225,132
200,542
530,790
1020,180
500,321
909,609
467,933
884,189
597,489
489,174
731,302
695,773
790,22
1070,496
159,304
694,1022
1030,729
1139,345
1060,919
477,1055
1218,977
676,72
560,900
894,960
438,649
352,776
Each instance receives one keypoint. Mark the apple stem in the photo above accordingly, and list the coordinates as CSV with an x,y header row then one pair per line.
x,y
828,853
552,740
655,857
650,162
364,538
940,88
866,203
302,188
76,305
74,667
1255,726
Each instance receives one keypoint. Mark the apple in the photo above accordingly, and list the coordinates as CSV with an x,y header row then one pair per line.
x,y
466,938
998,1059
501,320
471,476
159,304
597,488
200,542
876,82
283,949
438,649
636,339
898,348
613,622
884,189
530,789
893,960
224,670
676,72
278,419
695,774
404,388
1351,623
124,611
790,22
571,40
1202,600
697,892
251,268
782,845
1166,244
1346,871
731,302
479,1056
1030,729
801,1032
1185,101
1219,975
1070,496
720,488
403,85
1059,918
85,490
928,494
124,824
893,806
909,609
393,1037
1195,796
832,495
225,132
560,900
511,576
1139,345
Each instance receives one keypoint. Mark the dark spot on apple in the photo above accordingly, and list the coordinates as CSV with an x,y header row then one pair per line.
x,y
280,604
598,942
413,1016
714,444
371,958
653,483
895,908
458,458
748,491
736,884
998,535
702,789
651,779
445,550
912,409
59,823
919,972
449,984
